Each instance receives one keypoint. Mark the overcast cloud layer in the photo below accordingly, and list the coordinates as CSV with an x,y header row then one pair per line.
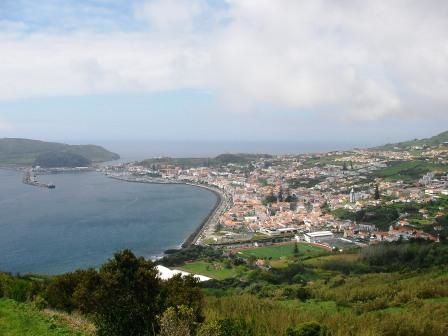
x,y
343,60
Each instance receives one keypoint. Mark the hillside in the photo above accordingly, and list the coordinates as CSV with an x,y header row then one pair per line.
x,y
385,289
61,159
25,151
222,159
433,141
19,319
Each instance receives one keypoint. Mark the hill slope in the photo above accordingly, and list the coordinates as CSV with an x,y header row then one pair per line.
x,y
18,319
221,159
26,151
433,141
61,159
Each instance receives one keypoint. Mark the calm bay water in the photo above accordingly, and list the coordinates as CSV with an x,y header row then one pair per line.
x,y
88,217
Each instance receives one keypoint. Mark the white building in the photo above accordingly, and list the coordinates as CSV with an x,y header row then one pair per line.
x,y
313,237
165,273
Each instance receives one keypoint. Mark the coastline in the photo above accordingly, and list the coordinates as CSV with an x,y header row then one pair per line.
x,y
208,223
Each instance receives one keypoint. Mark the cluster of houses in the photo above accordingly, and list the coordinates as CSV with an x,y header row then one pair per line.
x,y
298,195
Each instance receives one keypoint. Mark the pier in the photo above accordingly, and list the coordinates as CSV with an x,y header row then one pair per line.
x,y
30,178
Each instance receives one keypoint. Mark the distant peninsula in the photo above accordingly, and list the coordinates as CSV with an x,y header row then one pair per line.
x,y
26,152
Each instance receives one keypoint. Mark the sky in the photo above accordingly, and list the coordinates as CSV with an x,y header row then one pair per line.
x,y
347,72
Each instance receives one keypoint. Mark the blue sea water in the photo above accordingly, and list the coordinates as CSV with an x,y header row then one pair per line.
x,y
88,217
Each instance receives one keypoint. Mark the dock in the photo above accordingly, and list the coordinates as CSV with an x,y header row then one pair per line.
x,y
30,178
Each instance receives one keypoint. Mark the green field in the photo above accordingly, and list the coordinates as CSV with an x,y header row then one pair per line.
x,y
278,256
215,270
18,319
280,251
409,171
319,261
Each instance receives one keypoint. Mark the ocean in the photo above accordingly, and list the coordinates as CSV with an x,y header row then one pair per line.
x,y
88,217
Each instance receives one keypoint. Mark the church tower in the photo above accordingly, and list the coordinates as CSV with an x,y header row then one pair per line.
x,y
352,196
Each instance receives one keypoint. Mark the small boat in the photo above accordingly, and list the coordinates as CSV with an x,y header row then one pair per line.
x,y
51,186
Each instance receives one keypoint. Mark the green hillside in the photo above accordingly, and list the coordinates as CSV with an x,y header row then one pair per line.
x,y
19,319
433,141
24,151
386,289
61,159
222,159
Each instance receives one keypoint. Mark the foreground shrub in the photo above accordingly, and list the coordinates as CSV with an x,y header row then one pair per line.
x,y
177,321
309,329
127,299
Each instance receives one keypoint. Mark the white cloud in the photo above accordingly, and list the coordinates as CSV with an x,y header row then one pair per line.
x,y
176,16
5,126
352,59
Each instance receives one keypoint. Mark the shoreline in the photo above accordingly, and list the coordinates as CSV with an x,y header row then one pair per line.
x,y
209,222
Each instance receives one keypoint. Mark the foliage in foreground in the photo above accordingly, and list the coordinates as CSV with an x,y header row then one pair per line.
x,y
389,289
18,319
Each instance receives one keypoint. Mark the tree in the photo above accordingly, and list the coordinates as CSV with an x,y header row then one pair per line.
x,y
127,300
344,166
269,199
291,198
84,294
177,321
179,291
280,195
60,291
296,250
377,192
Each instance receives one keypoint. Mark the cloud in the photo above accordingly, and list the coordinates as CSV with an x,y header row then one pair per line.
x,y
5,126
176,16
344,59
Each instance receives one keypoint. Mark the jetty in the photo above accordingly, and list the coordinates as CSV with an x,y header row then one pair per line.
x,y
30,178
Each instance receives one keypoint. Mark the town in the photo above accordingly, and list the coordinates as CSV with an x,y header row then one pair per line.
x,y
337,199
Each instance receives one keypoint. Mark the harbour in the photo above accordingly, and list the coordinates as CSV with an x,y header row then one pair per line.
x,y
88,217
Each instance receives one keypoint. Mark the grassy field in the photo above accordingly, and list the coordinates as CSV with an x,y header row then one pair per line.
x,y
215,270
17,319
319,261
383,304
284,251
409,171
278,256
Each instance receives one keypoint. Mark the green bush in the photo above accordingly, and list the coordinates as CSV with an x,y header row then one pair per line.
x,y
309,329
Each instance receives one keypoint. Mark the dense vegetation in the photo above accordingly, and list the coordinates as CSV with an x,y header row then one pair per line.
x,y
25,151
382,217
409,171
61,159
424,216
387,289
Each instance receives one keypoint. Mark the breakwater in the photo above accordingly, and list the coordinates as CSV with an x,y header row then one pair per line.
x,y
30,178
